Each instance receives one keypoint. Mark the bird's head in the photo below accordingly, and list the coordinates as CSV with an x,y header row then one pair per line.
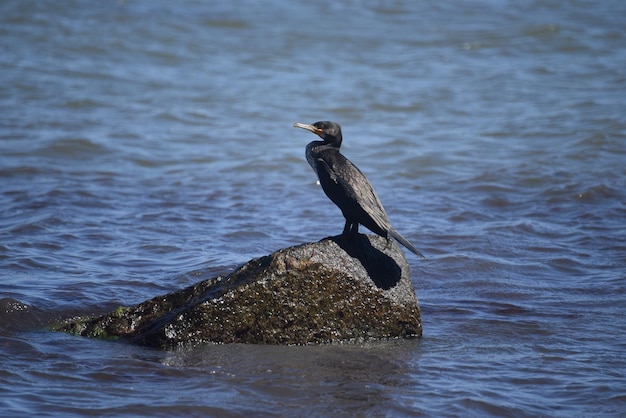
x,y
330,132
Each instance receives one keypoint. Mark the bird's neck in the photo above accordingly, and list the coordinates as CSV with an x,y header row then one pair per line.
x,y
316,147
318,150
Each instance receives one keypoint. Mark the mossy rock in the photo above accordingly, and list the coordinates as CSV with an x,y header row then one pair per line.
x,y
331,290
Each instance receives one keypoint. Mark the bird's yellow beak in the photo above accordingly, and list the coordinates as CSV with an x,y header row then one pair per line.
x,y
311,128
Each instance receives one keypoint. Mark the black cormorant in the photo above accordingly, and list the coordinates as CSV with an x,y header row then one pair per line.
x,y
346,185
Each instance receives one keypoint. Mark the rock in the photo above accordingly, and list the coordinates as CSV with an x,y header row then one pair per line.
x,y
331,290
15,315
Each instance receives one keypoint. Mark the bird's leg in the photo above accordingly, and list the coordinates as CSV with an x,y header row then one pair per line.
x,y
350,230
346,228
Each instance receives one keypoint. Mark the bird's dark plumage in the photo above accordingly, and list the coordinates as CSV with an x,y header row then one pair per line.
x,y
346,185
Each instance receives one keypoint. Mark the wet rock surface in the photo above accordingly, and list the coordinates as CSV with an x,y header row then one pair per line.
x,y
331,290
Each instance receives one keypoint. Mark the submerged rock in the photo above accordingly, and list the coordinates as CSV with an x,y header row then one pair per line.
x,y
325,291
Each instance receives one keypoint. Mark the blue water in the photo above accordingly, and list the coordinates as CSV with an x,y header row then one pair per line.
x,y
145,146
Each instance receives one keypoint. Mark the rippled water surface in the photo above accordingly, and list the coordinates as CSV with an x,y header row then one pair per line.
x,y
147,145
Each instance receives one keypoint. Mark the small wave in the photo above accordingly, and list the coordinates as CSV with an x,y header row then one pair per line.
x,y
21,171
73,148
597,193
83,104
160,249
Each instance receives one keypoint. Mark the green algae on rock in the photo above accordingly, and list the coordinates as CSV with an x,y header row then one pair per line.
x,y
331,290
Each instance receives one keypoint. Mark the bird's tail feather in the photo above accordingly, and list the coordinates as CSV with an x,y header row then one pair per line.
x,y
396,235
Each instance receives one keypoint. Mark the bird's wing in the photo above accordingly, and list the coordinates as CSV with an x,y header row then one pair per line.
x,y
348,187
327,172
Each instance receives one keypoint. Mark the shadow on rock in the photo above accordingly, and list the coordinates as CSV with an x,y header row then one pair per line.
x,y
381,268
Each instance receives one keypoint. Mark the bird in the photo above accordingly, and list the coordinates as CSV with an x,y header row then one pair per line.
x,y
347,186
